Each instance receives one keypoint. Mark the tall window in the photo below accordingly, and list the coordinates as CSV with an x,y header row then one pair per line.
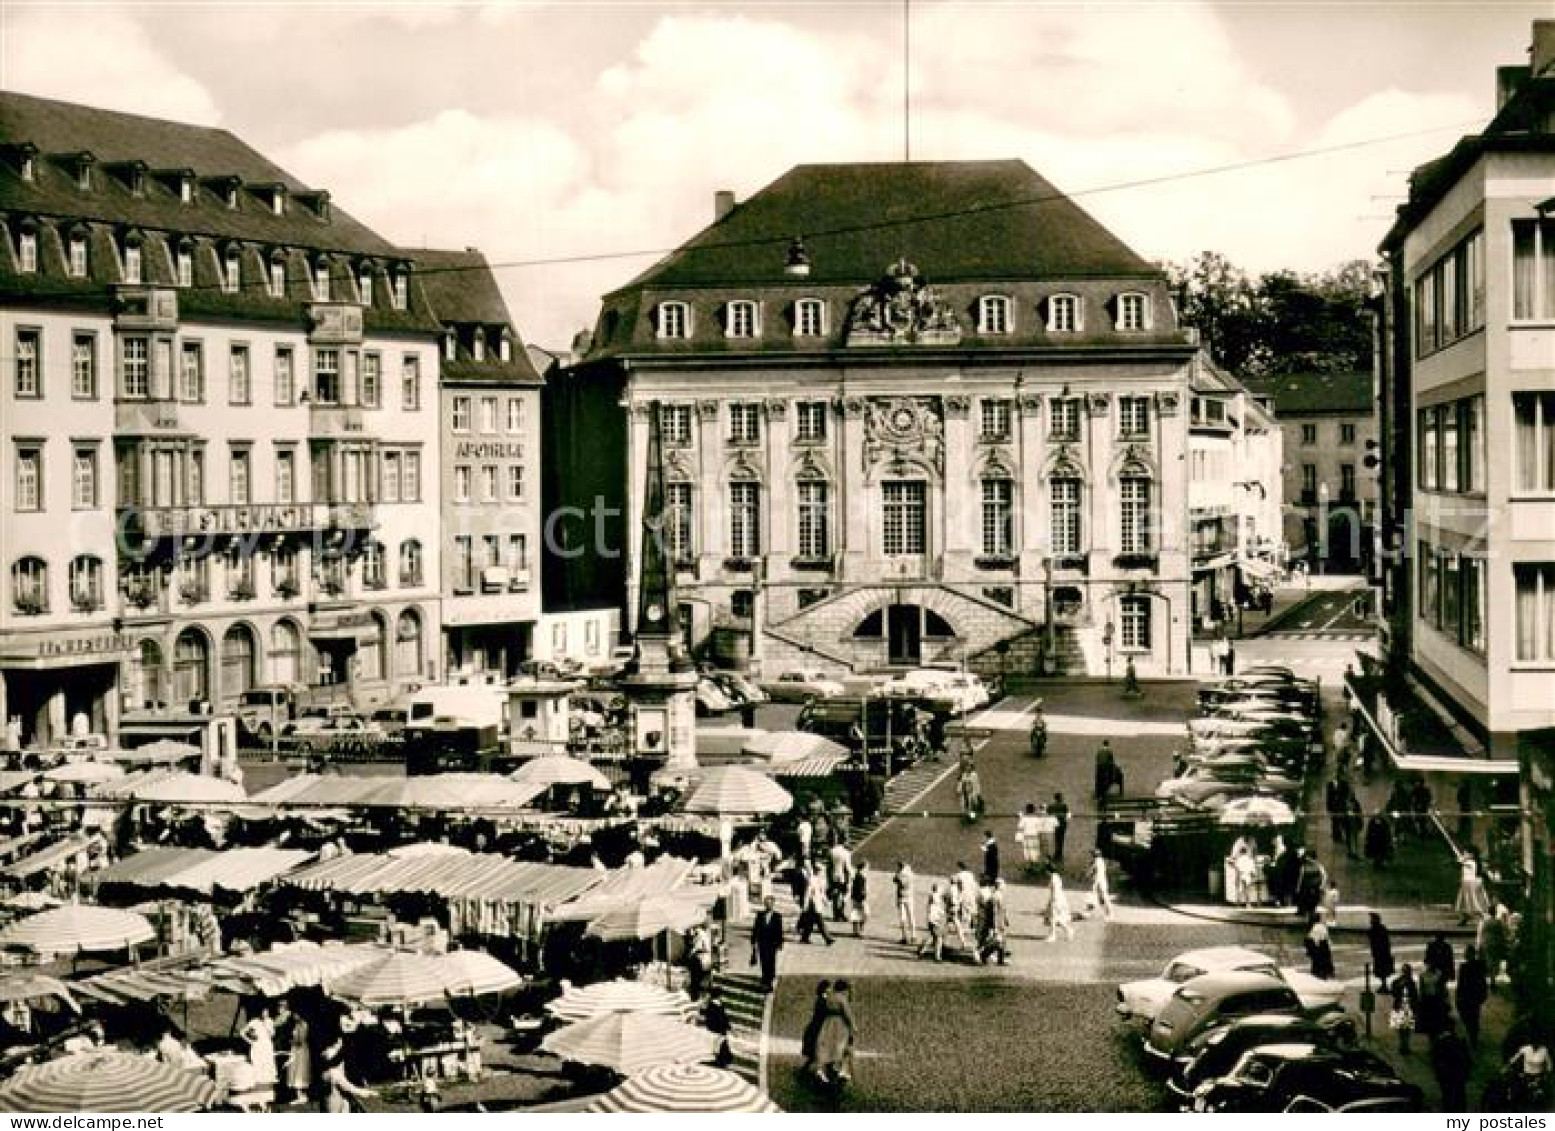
x,y
905,518
741,320
809,318
1347,481
1533,270
364,284
489,483
30,585
321,280
488,414
1535,611
811,419
1347,434
410,562
195,492
1064,418
389,490
515,481
1309,482
238,662
326,376
677,521
185,265
86,583
1308,435
814,519
285,475
78,261
1535,442
29,363
744,423
401,293
994,418
1134,627
285,576
191,667
744,520
285,376
461,414
83,366
240,486
1471,443
27,251
1430,449
191,373
410,382
674,320
1473,581
410,489
276,282
1133,417
407,643
1063,314
83,487
1134,503
371,380
373,572
1067,527
232,271
515,410
675,424
462,481
1133,312
993,314
285,653
238,384
29,479
132,263
518,553
998,514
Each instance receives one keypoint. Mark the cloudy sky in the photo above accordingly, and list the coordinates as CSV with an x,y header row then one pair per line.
x,y
541,131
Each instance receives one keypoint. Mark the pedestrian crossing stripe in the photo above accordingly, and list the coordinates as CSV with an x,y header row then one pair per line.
x,y
1321,635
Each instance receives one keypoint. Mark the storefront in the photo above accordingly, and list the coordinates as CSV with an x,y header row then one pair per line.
x,y
61,683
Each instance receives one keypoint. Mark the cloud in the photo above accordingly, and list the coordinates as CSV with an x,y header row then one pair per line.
x,y
107,60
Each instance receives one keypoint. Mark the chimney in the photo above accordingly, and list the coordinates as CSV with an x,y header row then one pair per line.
x,y
1541,56
1509,80
723,204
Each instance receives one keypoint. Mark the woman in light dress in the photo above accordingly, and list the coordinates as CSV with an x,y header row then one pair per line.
x,y
341,1090
1472,901
260,1035
1059,915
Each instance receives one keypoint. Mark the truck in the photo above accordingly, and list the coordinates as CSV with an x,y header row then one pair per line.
x,y
456,729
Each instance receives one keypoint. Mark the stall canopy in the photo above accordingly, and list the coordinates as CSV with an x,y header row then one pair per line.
x,y
173,787
560,769
686,1088
268,974
624,887
78,927
735,791
435,791
47,859
486,893
204,870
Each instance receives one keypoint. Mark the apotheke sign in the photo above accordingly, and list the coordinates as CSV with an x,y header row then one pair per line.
x,y
495,449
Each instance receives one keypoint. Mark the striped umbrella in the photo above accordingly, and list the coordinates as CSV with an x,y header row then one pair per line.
x,y
647,917
560,769
689,1088
735,791
473,972
78,927
399,978
631,1042
88,773
580,1003
32,987
792,746
104,1080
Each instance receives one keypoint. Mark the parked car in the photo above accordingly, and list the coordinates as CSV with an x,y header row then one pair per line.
x,y
1145,999
1212,999
264,711
320,731
389,720
1200,789
711,699
1215,1051
740,689
801,684
1271,1077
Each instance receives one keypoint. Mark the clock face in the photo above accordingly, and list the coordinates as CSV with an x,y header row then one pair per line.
x,y
902,420
655,612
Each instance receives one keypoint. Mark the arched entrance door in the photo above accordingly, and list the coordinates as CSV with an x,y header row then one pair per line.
x,y
191,667
906,628
239,656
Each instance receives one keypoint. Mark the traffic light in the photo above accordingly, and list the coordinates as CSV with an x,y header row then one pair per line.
x,y
1372,460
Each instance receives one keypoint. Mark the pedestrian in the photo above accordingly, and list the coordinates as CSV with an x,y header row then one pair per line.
x,y
958,912
934,917
1405,992
1107,772
1331,904
1354,820
342,1094
1230,658
1420,802
1379,840
902,880
839,877
993,925
1244,870
966,901
858,899
715,1019
1282,861
1027,838
835,1038
766,942
1101,891
812,1028
1039,734
299,1059
813,905
1311,884
1059,916
990,857
1059,811
1434,1011
971,790
1472,988
1439,956
259,1034
1380,939
1495,942
1451,1061
1320,951
699,959
1472,902
1336,796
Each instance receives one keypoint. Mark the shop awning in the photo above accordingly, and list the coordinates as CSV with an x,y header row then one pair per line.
x,y
435,791
47,859
204,870
820,766
622,887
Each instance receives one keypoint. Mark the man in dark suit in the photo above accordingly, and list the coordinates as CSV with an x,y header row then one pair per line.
x,y
766,941
990,857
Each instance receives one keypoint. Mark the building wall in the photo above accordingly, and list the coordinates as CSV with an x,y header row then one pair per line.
x,y
1329,454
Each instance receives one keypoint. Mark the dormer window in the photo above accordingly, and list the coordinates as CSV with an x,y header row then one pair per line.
x,y
278,200
321,279
276,283
186,189
78,261
478,345
232,195
84,164
1133,312
741,320
401,293
232,270
993,314
27,249
450,346
674,320
185,264
364,284
809,318
132,259
29,167
137,180
505,347
1063,314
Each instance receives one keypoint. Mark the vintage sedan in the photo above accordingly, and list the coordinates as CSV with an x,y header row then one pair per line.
x,y
1215,1052
1272,1077
802,684
1144,999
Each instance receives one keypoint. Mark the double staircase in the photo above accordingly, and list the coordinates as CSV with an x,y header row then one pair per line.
x,y
1023,654
743,998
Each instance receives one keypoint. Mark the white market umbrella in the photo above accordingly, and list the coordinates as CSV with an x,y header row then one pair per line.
x,y
689,1088
781,746
631,1042
560,769
474,972
735,791
620,996
86,773
78,927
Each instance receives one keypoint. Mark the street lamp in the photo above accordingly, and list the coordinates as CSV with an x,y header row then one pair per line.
x,y
1106,638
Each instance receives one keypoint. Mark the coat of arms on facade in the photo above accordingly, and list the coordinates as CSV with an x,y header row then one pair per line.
x,y
901,309
902,434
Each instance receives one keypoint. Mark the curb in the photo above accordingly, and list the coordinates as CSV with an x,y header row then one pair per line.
x,y
1196,911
